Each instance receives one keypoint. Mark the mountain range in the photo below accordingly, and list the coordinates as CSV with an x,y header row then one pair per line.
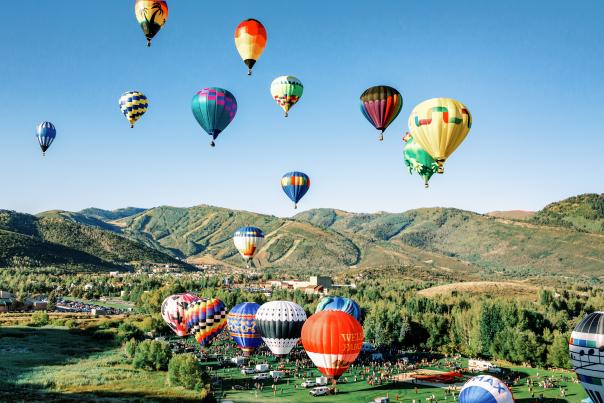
x,y
566,238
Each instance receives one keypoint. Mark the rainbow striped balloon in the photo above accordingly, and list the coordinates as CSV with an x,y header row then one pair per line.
x,y
380,106
205,319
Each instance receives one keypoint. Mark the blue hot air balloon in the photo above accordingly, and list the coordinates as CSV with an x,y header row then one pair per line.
x,y
485,389
45,133
295,185
340,304
214,108
242,327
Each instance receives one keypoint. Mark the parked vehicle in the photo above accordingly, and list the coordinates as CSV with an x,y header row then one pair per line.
x,y
319,391
248,371
321,381
262,367
382,399
277,374
479,365
239,360
309,383
264,375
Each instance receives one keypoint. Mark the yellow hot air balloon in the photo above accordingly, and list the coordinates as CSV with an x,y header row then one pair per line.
x,y
439,126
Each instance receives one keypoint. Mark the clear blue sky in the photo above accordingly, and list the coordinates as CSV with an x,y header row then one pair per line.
x,y
531,73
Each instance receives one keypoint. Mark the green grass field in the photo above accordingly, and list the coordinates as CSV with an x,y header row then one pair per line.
x,y
56,364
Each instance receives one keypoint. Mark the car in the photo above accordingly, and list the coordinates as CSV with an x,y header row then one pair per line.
x,y
238,387
264,375
277,374
383,399
248,371
319,391
309,383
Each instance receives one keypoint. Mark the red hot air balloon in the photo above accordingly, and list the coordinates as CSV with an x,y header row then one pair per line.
x,y
332,340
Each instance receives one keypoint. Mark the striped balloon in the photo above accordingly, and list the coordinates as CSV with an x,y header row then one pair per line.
x,y
46,134
133,105
295,185
250,41
280,324
205,319
248,241
485,389
214,108
241,321
173,311
151,16
286,91
340,304
333,341
380,106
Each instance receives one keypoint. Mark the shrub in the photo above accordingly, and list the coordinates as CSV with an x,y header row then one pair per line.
x,y
184,370
39,318
127,331
152,355
130,348
71,324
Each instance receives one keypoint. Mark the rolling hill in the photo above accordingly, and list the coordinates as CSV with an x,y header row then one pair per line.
x,y
53,240
436,242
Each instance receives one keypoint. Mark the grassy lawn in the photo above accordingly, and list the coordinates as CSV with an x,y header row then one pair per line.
x,y
56,364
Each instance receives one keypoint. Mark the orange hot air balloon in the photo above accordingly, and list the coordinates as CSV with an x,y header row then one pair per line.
x,y
250,40
332,340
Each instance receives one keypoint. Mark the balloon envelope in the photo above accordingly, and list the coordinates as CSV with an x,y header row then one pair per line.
x,y
586,348
46,134
151,15
250,41
280,324
173,311
241,321
343,304
381,105
133,105
439,125
248,241
485,389
286,91
295,185
214,108
418,160
205,319
333,341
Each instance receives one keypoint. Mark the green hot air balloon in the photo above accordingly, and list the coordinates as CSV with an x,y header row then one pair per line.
x,y
418,160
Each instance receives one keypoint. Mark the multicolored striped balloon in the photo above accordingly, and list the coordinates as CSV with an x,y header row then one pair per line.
x,y
133,105
280,324
241,321
173,311
248,241
343,304
485,389
250,41
151,15
380,106
214,108
286,91
333,341
418,160
295,185
440,125
46,134
205,319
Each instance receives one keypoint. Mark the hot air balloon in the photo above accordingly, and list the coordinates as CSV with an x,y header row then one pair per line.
x,y
173,311
250,40
381,105
485,389
248,241
45,133
241,321
295,185
151,15
586,348
214,108
133,105
280,324
418,160
439,125
340,304
205,319
286,90
333,341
